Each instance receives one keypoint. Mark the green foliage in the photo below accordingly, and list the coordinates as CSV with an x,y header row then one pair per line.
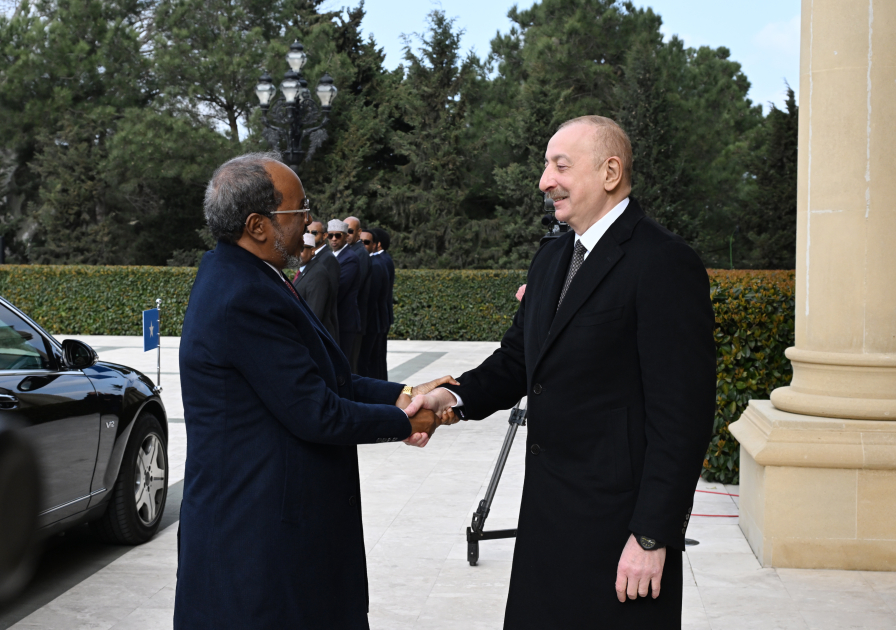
x,y
769,219
754,325
115,114
454,305
98,300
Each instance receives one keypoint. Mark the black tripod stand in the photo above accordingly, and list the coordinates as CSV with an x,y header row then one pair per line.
x,y
475,531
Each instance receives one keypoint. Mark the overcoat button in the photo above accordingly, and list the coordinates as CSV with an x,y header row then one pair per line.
x,y
351,500
340,380
536,389
535,450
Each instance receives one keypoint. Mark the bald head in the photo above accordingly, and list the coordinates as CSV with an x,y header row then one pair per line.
x,y
321,237
609,141
354,225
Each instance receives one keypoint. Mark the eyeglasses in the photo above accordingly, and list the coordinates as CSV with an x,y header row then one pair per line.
x,y
351,231
314,232
306,208
365,241
335,235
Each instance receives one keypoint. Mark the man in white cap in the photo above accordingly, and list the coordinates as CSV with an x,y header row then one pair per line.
x,y
318,284
349,283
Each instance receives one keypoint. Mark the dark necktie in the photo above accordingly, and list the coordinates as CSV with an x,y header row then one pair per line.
x,y
578,257
291,288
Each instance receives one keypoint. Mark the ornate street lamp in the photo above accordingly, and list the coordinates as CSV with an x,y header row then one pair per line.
x,y
296,109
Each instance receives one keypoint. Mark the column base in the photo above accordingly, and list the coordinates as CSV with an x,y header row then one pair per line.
x,y
817,493
839,385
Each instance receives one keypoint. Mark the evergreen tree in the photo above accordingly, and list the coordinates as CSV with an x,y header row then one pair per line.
x,y
769,219
425,198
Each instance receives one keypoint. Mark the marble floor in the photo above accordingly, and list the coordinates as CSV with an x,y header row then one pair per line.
x,y
417,504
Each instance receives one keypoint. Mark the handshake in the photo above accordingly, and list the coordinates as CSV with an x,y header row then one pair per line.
x,y
428,408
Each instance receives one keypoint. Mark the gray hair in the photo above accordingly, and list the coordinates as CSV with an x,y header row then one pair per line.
x,y
238,188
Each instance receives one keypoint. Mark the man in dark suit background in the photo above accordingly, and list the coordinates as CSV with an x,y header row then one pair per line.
x,y
349,284
270,532
318,284
353,238
377,310
383,250
612,343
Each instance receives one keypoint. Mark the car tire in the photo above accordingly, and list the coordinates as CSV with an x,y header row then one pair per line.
x,y
138,499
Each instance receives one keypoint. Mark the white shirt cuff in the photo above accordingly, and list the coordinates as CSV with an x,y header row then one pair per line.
x,y
459,403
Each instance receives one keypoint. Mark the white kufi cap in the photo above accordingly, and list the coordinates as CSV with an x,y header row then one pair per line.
x,y
336,225
309,240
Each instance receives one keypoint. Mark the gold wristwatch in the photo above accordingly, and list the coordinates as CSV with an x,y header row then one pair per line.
x,y
407,389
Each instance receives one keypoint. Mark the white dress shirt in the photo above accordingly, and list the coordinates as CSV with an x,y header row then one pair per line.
x,y
592,235
589,240
339,251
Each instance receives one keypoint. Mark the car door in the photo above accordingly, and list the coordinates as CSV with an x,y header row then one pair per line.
x,y
56,410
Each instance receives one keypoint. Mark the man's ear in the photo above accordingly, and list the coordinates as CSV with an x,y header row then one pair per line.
x,y
614,174
256,228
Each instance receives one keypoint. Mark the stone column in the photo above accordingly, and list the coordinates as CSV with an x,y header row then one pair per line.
x,y
818,468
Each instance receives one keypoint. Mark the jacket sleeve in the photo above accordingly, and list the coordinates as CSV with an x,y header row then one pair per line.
x,y
678,369
275,360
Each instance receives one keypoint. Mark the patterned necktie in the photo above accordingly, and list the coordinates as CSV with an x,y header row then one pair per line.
x,y
291,288
578,257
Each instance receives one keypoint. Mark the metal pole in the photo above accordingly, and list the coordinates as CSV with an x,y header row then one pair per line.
x,y
159,349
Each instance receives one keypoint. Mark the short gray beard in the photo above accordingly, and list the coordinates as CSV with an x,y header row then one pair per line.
x,y
292,262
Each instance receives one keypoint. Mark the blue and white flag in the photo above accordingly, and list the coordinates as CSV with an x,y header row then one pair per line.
x,y
151,332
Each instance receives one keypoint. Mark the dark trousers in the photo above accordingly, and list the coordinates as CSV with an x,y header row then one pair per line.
x,y
354,358
346,343
381,370
367,365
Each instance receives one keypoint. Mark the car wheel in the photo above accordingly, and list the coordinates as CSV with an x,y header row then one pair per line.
x,y
138,498
19,502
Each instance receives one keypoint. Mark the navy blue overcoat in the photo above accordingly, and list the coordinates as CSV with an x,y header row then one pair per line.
x,y
270,530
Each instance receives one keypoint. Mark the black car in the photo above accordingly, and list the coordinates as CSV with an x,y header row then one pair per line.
x,y
99,435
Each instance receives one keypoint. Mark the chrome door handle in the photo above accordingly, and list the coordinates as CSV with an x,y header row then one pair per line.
x,y
8,401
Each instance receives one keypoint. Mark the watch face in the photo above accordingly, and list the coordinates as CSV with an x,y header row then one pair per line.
x,y
647,543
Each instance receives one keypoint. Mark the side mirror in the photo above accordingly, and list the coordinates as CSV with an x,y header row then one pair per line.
x,y
77,355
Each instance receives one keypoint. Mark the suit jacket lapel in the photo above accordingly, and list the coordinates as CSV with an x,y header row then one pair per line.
x,y
600,261
556,275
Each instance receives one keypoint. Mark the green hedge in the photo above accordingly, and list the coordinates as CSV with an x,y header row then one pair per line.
x,y
754,325
754,319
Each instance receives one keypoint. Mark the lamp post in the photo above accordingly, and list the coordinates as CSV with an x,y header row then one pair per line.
x,y
296,109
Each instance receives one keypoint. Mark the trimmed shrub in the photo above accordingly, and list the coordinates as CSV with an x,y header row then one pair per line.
x,y
754,319
754,325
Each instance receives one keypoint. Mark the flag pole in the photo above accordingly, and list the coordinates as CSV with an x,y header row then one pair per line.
x,y
158,387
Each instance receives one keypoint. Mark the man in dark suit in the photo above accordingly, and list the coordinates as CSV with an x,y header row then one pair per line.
x,y
613,346
349,284
270,525
353,238
383,248
377,310
318,284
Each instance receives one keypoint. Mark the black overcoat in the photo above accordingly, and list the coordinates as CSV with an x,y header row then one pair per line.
x,y
349,285
270,528
319,286
621,396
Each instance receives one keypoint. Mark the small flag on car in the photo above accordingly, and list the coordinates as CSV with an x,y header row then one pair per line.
x,y
151,332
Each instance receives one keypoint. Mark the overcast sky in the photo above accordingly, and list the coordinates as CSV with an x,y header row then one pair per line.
x,y
763,35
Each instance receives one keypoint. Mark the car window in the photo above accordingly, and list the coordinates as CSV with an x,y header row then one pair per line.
x,y
21,347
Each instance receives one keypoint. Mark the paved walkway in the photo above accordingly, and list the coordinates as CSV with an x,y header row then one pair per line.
x,y
417,504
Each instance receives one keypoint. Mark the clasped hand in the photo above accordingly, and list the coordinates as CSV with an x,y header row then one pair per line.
x,y
428,409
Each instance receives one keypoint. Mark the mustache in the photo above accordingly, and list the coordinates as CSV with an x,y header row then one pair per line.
x,y
558,193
